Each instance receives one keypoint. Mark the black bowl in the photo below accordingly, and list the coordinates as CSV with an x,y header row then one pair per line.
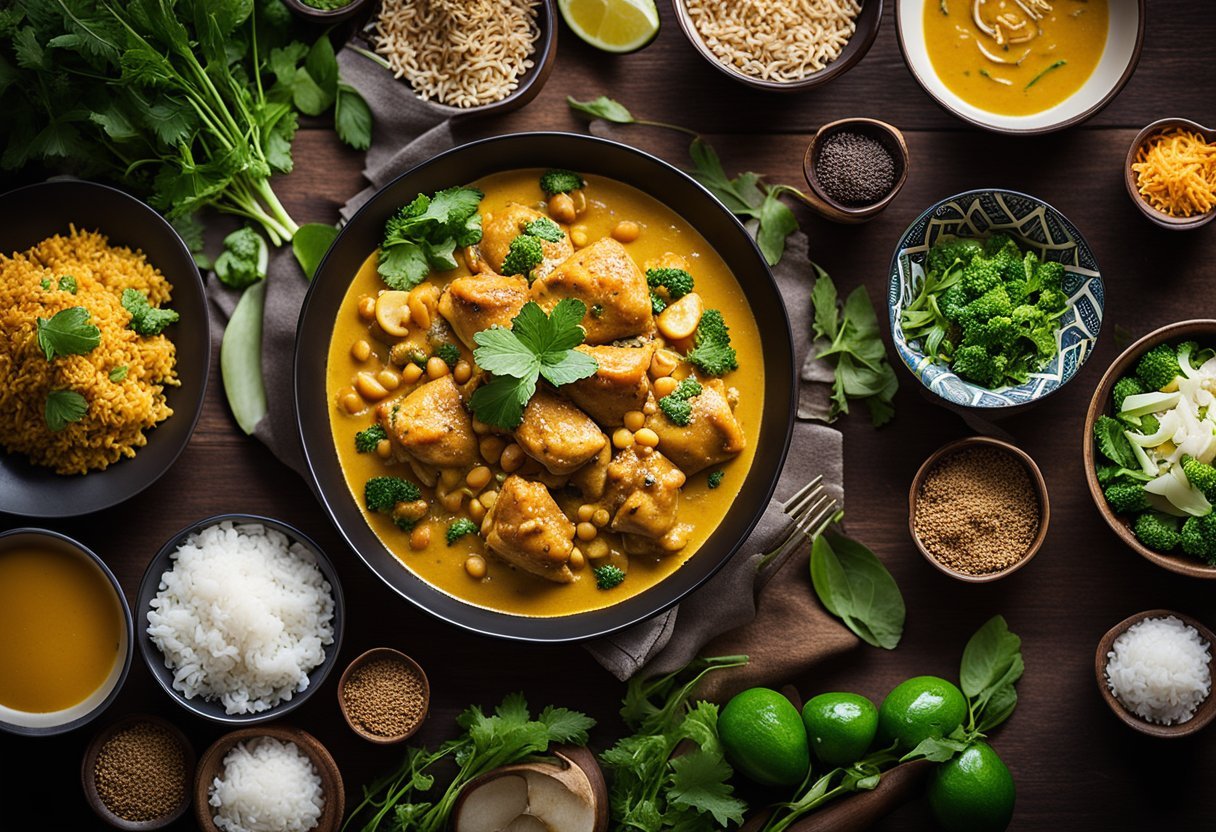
x,y
155,660
36,212
590,155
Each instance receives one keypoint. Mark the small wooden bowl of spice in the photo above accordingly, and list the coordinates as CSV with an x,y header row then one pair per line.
x,y
1170,173
384,696
854,167
978,509
137,773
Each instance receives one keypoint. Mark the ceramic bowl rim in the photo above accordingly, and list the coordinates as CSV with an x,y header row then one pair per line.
x,y
1159,217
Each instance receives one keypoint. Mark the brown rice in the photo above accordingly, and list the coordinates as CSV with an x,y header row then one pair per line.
x,y
463,53
118,411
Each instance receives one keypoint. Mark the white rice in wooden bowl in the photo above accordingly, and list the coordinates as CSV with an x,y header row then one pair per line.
x,y
267,785
243,616
1160,670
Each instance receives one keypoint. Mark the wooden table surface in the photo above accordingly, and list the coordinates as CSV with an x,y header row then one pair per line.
x,y
1076,766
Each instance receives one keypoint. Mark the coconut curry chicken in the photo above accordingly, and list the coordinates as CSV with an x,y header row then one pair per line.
x,y
546,390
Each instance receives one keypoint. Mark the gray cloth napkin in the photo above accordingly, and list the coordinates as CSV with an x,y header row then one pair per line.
x,y
408,131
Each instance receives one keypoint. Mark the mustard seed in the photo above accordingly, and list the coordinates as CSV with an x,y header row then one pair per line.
x,y
140,772
385,697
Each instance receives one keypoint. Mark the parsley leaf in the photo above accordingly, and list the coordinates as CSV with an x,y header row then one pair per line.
x,y
700,781
118,373
67,283
423,236
62,407
145,318
536,346
68,332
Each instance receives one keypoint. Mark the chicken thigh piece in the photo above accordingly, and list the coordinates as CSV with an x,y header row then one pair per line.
x,y
643,492
712,436
621,383
471,304
557,434
504,226
526,528
605,278
432,425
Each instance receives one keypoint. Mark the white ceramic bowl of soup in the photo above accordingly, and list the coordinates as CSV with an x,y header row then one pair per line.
x,y
1120,54
67,627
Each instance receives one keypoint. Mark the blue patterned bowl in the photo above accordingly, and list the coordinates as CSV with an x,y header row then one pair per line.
x,y
1036,226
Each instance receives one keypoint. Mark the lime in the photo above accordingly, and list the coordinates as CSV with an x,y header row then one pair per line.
x,y
763,737
973,792
840,726
612,25
921,707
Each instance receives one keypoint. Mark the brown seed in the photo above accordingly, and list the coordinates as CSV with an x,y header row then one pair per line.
x,y
140,772
385,697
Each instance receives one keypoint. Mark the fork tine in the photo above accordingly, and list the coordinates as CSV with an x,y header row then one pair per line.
x,y
808,499
802,492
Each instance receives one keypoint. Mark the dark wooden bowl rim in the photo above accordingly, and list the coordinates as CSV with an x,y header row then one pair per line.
x,y
886,134
375,654
89,781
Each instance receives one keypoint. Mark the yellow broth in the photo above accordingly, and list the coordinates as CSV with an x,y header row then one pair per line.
x,y
62,627
1074,31
505,588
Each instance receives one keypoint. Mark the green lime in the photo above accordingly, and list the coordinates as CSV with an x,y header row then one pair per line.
x,y
973,792
763,737
921,707
612,25
840,726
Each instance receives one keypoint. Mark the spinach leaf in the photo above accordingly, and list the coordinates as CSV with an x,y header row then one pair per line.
x,y
853,585
988,656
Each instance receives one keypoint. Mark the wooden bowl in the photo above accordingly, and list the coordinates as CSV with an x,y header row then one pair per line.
x,y
859,44
886,135
375,654
89,781
1203,330
1207,710
1036,479
1129,176
212,763
327,16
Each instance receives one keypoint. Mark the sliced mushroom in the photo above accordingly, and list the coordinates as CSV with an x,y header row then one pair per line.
x,y
393,313
537,797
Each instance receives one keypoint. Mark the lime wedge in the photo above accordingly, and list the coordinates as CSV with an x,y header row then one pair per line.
x,y
612,25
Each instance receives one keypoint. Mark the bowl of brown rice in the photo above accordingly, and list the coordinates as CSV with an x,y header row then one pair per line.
x,y
97,404
780,45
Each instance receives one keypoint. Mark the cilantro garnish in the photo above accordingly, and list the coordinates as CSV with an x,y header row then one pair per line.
x,y
67,283
536,346
145,318
62,407
67,333
545,229
423,236
118,373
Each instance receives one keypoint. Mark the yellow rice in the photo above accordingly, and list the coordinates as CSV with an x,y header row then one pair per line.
x,y
118,411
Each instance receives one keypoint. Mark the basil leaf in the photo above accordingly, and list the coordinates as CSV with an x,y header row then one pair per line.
x,y
826,315
310,245
602,107
62,407
999,707
938,749
989,657
852,584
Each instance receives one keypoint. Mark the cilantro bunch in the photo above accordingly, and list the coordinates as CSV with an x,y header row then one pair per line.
x,y
423,236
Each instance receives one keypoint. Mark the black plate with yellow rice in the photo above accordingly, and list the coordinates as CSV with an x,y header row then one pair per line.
x,y
102,391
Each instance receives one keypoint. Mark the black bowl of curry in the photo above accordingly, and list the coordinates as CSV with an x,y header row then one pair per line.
x,y
538,402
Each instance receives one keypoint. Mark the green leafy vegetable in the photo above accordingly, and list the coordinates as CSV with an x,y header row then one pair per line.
x,y
241,359
310,245
352,118
449,353
382,493
459,527
715,479
62,407
244,259
536,346
1036,78
855,349
118,374
1113,443
545,229
992,664
67,332
423,236
145,318
853,585
712,353
67,283
608,576
554,182
409,800
367,439
46,284
675,405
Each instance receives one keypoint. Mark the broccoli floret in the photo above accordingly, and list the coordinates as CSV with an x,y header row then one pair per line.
x,y
1009,262
367,439
545,229
675,404
1158,367
560,182
996,333
993,303
980,277
382,493
1201,475
677,282
712,353
608,576
449,352
1124,387
1050,275
973,363
994,244
1198,537
715,479
1126,498
657,303
458,528
1052,301
951,251
145,318
1157,531
67,283
524,255
952,302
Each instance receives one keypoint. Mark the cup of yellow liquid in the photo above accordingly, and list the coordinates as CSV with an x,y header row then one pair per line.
x,y
65,633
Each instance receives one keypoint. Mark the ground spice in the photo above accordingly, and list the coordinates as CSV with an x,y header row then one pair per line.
x,y
854,169
140,772
977,511
385,697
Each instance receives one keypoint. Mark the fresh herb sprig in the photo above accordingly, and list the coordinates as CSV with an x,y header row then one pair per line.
x,y
1037,78
67,332
747,195
62,407
423,235
146,319
536,346
244,259
853,585
408,799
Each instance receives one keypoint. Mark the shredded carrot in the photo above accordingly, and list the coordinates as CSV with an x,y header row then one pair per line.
x,y
1176,173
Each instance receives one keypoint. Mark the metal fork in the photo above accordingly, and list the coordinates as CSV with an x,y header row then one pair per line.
x,y
812,510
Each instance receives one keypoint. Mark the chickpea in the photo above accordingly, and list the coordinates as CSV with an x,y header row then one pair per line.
x,y
626,231
622,438
462,372
479,477
664,386
663,363
578,236
491,448
475,565
436,367
411,373
361,350
389,379
452,501
586,531
561,208
367,307
449,478
585,511
384,449
420,538
647,438
577,559
635,420
476,510
350,400
601,517
415,510
488,499
480,427
512,458
596,549
369,388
